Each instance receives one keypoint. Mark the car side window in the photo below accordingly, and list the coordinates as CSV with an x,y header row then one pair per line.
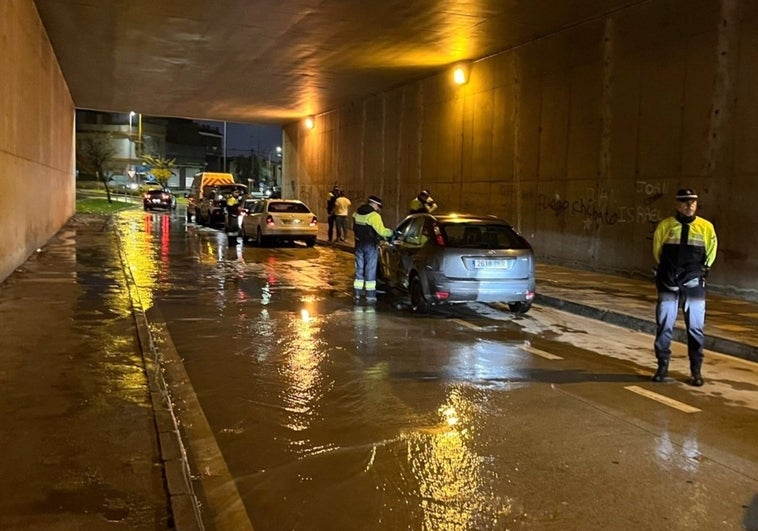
x,y
413,235
427,231
400,233
258,207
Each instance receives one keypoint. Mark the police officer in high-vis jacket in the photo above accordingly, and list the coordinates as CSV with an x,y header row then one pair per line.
x,y
422,203
684,247
369,229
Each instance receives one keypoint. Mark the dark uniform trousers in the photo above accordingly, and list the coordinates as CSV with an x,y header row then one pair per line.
x,y
692,301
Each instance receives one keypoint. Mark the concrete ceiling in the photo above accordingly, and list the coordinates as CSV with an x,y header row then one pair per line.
x,y
276,61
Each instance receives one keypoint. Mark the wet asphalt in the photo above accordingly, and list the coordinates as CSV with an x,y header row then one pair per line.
x,y
89,421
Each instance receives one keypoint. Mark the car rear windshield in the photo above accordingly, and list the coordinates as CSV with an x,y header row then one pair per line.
x,y
482,236
297,208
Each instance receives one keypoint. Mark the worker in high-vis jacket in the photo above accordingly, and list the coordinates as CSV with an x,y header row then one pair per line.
x,y
423,203
369,230
684,248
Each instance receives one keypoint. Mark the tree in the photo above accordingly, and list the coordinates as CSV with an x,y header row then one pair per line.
x,y
95,157
160,168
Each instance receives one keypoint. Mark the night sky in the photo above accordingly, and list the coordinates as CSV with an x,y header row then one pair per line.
x,y
241,139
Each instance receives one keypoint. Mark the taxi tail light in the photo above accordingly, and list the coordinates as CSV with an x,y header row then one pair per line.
x,y
442,295
314,221
270,220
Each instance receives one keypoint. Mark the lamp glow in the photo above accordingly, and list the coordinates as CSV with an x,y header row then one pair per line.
x,y
460,74
310,122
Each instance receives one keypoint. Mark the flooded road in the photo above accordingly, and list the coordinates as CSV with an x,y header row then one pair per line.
x,y
331,416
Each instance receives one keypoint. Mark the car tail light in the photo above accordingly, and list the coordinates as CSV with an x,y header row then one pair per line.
x,y
529,295
442,295
438,236
270,220
314,221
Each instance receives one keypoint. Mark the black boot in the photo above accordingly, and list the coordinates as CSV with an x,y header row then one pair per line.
x,y
662,372
697,378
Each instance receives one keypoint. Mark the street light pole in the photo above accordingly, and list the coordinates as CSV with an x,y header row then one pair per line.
x,y
131,115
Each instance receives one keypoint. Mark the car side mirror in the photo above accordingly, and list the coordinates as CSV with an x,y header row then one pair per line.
x,y
186,194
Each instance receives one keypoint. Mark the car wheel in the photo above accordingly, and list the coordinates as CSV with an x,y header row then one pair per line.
x,y
310,242
419,304
519,307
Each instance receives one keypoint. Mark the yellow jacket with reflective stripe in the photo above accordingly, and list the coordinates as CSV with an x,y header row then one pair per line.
x,y
683,262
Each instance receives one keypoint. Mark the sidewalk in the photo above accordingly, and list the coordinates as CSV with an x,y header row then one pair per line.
x,y
85,439
731,325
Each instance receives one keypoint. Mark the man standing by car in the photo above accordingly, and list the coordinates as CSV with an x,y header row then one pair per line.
x,y
684,247
369,229
341,210
331,199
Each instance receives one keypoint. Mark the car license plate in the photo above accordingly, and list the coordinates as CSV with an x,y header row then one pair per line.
x,y
291,221
492,264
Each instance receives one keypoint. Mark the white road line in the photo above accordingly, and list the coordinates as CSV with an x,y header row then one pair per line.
x,y
681,406
541,353
468,325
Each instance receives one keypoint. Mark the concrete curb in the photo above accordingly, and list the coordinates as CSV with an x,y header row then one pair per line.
x,y
184,504
716,343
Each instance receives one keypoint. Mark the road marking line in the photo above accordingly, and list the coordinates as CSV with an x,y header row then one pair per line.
x,y
681,406
541,353
468,325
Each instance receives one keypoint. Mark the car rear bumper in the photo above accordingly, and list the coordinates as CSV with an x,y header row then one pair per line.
x,y
294,233
519,290
158,204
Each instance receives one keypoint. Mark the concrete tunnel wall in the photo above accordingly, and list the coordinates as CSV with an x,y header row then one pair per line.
x,y
36,137
579,139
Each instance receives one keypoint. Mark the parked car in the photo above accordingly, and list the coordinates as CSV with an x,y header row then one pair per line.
x,y
280,219
158,197
211,211
247,206
458,258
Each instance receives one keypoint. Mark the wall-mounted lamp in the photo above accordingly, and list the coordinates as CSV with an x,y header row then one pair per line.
x,y
310,122
461,73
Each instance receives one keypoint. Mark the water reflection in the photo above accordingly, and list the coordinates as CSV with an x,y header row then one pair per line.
x,y
683,456
455,485
305,383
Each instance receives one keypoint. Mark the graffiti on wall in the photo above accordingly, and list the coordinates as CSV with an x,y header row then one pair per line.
x,y
595,210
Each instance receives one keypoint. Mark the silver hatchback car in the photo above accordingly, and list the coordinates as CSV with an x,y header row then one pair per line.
x,y
458,258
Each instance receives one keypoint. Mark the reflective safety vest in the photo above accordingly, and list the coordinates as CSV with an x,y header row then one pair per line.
x,y
368,226
682,249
